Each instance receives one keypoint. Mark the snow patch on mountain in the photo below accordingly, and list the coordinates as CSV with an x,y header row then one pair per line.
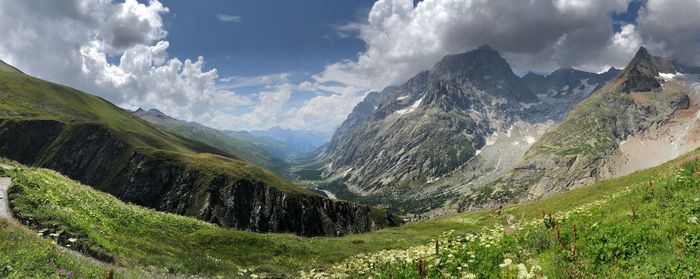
x,y
669,76
410,109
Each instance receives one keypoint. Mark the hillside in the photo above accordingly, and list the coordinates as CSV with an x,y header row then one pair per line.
x,y
643,117
240,148
99,144
643,225
135,237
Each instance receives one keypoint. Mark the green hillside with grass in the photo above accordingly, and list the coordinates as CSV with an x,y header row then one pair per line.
x,y
25,97
26,255
93,141
644,222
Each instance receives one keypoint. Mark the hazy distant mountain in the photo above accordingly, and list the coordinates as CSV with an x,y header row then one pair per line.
x,y
284,143
567,81
236,146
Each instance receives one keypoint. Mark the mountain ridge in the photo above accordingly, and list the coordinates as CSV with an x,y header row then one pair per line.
x,y
639,119
443,133
217,138
93,141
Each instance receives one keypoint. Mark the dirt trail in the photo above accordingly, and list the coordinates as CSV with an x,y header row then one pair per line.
x,y
4,201
5,213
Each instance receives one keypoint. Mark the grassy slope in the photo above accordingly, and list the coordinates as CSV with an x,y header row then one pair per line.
x,y
642,229
592,128
134,236
25,97
26,255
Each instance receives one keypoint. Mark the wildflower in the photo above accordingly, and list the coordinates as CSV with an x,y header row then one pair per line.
x,y
535,268
522,272
693,220
506,263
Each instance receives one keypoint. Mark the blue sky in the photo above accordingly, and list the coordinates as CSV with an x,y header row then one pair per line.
x,y
255,38
269,37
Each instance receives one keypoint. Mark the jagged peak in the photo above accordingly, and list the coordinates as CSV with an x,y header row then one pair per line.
x,y
642,53
612,70
484,59
156,111
565,69
641,74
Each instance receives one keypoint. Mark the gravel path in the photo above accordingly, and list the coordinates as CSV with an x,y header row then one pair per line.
x,y
4,202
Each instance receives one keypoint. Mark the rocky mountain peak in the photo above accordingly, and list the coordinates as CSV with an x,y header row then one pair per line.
x,y
483,60
641,74
152,113
485,69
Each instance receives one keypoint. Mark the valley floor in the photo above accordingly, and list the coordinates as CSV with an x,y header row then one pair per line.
x,y
137,239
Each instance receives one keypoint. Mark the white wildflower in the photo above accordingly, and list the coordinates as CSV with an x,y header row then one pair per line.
x,y
506,263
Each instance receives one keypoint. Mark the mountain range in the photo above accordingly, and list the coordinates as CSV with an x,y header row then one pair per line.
x,y
288,144
646,115
470,133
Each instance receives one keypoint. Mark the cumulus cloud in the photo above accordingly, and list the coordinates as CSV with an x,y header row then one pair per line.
x,y
120,51
131,23
672,27
228,18
403,39
73,43
268,112
324,112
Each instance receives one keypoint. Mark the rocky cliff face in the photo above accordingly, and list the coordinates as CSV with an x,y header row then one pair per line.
x,y
429,127
452,129
644,103
95,156
359,114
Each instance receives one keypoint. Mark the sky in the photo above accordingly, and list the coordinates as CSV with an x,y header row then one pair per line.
x,y
305,64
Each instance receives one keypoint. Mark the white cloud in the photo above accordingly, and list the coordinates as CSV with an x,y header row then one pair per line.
x,y
403,40
672,27
131,23
72,43
323,113
228,18
267,113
